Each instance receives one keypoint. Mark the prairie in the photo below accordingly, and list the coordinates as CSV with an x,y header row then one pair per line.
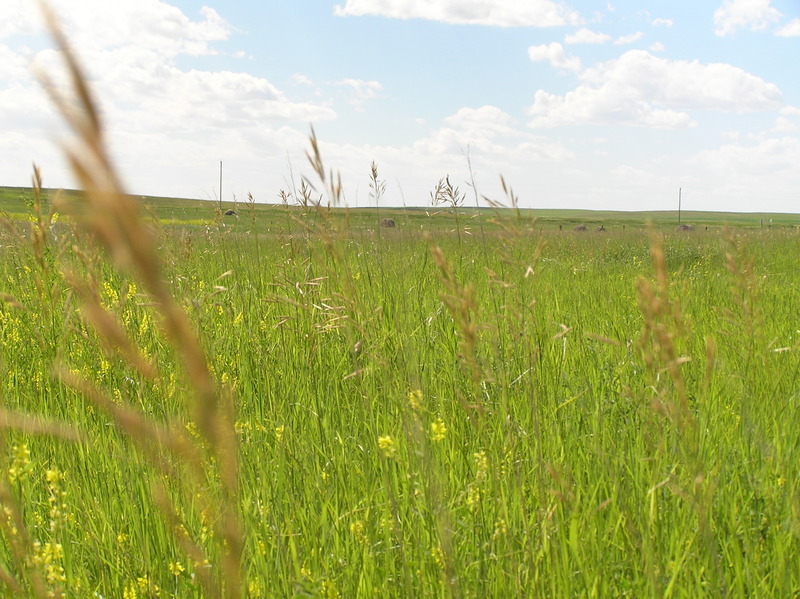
x,y
472,406
477,403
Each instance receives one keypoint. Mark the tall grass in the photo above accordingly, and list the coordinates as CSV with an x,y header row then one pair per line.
x,y
333,411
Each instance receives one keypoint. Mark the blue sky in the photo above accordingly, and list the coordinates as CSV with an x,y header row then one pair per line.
x,y
603,105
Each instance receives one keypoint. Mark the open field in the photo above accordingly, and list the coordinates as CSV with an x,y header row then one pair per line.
x,y
477,403
458,407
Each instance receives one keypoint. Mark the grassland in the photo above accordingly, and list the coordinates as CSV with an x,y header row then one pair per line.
x,y
296,402
468,407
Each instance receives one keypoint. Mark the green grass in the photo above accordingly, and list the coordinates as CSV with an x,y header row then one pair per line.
x,y
429,411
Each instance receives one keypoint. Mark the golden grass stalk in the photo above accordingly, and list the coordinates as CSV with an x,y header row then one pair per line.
x,y
663,325
37,425
113,218
460,301
21,547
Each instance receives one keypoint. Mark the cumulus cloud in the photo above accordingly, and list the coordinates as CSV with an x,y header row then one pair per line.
x,y
641,89
782,124
131,49
361,91
554,53
16,16
629,39
766,158
744,14
300,79
497,13
631,176
156,111
492,135
791,29
484,122
587,36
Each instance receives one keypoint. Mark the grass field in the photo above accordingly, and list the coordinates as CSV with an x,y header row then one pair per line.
x,y
517,411
476,403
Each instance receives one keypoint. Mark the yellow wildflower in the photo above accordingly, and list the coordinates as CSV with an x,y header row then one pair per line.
x,y
176,568
438,556
387,446
482,466
357,530
21,464
415,400
438,430
500,529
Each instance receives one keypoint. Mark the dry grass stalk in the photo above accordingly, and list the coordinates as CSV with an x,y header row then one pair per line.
x,y
663,324
460,302
37,425
110,331
331,182
113,218
21,547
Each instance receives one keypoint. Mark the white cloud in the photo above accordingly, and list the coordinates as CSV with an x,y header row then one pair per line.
x,y
604,105
629,39
641,89
631,176
156,112
493,135
17,16
131,48
657,47
300,79
494,141
748,14
361,91
791,29
530,13
770,160
485,122
93,25
783,125
790,110
554,53
586,36
13,63
662,22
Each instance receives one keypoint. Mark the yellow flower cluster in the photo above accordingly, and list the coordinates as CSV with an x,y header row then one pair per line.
x,y
438,430
20,463
387,446
357,530
415,400
49,557
475,488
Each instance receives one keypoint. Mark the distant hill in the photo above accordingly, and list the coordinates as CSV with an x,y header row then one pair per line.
x,y
14,201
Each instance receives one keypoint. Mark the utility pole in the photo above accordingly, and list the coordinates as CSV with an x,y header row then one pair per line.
x,y
220,185
679,205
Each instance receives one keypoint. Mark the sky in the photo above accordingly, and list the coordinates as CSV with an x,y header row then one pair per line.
x,y
576,104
